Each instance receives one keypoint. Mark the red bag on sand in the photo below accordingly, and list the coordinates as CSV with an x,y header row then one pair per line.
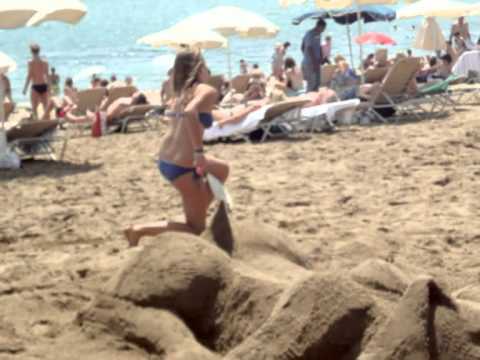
x,y
99,125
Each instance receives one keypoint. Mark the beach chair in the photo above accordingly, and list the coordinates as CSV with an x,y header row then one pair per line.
x,y
284,115
328,71
89,99
375,75
393,93
138,114
216,81
264,120
468,62
118,92
323,117
441,92
36,138
240,83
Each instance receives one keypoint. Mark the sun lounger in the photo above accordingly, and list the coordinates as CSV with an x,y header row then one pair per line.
x,y
328,71
393,93
263,118
467,62
441,92
288,113
118,92
35,138
139,114
216,81
468,93
322,117
375,75
89,99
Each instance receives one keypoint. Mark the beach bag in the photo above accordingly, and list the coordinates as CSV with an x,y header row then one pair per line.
x,y
99,126
8,158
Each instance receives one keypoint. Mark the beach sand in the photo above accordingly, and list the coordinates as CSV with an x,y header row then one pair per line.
x,y
405,194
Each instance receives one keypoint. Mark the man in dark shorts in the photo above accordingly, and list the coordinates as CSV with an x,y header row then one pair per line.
x,y
38,76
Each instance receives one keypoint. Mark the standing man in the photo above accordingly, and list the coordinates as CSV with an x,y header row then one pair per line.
x,y
312,56
461,27
38,76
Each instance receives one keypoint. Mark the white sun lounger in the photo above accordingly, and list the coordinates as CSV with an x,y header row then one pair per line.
x,y
249,124
252,120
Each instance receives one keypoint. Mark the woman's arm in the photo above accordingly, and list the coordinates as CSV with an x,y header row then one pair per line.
x,y
202,97
238,116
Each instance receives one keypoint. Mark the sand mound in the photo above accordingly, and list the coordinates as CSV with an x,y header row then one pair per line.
x,y
152,331
320,317
261,246
183,297
380,275
426,324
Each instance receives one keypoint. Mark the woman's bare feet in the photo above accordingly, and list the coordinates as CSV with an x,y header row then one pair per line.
x,y
133,237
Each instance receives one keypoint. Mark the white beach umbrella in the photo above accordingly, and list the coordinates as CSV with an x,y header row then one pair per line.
x,y
14,15
231,20
19,13
440,8
176,37
429,36
7,64
67,11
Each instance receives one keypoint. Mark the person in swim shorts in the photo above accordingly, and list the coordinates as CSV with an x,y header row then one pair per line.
x,y
38,76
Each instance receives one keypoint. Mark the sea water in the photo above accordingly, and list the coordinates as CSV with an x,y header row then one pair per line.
x,y
106,38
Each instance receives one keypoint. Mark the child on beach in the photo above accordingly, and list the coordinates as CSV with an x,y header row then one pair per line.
x,y
182,160
278,59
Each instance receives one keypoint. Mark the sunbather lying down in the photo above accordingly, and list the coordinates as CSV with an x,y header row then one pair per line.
x,y
113,111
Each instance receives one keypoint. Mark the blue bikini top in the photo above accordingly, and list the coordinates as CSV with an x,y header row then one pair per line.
x,y
206,119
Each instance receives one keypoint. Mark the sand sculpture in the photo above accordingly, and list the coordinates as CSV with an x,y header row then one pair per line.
x,y
244,292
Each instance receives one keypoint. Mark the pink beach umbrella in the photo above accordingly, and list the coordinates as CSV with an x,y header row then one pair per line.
x,y
374,38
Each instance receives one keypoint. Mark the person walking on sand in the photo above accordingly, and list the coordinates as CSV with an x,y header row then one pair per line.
x,y
312,55
182,160
38,76
54,82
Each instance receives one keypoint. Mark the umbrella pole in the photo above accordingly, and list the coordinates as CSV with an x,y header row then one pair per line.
x,y
229,60
2,108
359,22
3,135
350,46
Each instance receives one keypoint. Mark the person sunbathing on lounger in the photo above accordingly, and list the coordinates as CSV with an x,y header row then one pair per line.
x,y
235,115
68,103
112,111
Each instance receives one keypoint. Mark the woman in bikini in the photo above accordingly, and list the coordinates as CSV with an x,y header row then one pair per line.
x,y
182,160
38,76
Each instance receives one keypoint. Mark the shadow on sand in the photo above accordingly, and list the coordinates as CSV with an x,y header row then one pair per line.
x,y
53,169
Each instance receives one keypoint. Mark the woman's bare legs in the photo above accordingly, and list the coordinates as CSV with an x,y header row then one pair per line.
x,y
196,198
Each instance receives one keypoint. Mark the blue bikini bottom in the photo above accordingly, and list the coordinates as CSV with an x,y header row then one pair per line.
x,y
171,172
